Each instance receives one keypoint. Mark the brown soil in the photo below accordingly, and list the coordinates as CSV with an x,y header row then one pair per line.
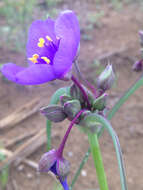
x,y
118,30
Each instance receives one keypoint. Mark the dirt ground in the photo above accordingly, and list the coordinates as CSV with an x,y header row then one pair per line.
x,y
118,32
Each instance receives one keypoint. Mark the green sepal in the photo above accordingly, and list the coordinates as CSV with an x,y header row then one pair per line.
x,y
100,103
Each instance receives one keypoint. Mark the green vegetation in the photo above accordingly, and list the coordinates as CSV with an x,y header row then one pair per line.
x,y
17,17
3,174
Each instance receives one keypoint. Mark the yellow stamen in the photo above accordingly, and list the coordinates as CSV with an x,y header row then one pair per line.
x,y
41,42
34,58
49,38
46,59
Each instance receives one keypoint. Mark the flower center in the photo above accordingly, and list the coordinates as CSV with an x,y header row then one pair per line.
x,y
34,58
47,50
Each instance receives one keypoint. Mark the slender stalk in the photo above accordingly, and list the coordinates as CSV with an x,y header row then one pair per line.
x,y
97,158
84,81
84,160
82,90
61,147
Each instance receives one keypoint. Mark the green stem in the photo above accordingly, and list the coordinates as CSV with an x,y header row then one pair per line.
x,y
96,154
84,160
116,143
116,107
48,131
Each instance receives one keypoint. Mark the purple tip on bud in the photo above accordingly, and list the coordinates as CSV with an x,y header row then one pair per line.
x,y
137,66
47,161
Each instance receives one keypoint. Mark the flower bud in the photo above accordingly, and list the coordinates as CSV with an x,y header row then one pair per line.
x,y
76,93
137,66
54,113
100,102
106,78
71,108
64,99
47,160
63,168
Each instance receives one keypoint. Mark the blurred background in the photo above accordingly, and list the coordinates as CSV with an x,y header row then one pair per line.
x,y
109,33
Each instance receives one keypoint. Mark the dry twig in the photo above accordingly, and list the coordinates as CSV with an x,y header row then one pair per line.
x,y
25,149
15,140
21,114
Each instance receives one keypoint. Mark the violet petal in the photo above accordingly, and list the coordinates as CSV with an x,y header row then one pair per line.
x,y
10,70
32,75
67,28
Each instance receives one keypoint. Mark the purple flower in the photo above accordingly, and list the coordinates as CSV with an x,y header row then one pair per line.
x,y
51,49
54,162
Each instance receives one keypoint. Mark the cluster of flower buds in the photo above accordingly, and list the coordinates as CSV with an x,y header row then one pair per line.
x,y
74,102
75,107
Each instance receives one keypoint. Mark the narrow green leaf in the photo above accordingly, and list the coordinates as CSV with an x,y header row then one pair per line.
x,y
84,160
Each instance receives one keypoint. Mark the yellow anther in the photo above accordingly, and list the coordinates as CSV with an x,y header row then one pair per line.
x,y
34,58
46,59
41,42
49,38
